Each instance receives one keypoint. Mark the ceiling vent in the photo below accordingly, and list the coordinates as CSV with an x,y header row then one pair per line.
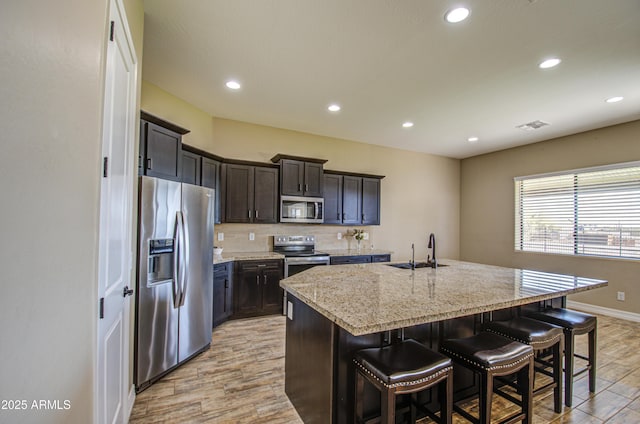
x,y
534,125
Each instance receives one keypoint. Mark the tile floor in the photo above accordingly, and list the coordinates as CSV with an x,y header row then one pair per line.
x,y
241,380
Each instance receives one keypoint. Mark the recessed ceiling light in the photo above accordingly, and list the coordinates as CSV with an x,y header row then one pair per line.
x,y
234,85
333,108
472,139
456,15
615,99
407,124
550,63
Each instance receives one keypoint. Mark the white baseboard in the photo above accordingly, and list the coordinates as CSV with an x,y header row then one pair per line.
x,y
130,401
615,313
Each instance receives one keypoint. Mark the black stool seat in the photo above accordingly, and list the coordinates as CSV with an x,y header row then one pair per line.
x,y
580,322
488,350
407,367
574,323
537,334
490,355
401,363
540,336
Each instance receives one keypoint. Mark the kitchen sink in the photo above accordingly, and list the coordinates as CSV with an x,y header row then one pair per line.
x,y
407,265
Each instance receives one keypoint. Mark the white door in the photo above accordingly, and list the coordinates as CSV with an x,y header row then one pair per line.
x,y
116,208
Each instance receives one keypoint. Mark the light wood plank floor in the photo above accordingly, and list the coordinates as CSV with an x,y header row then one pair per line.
x,y
241,380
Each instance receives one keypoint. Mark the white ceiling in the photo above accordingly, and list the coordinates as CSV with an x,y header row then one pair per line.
x,y
390,61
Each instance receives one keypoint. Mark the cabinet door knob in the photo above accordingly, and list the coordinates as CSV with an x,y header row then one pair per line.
x,y
265,279
256,215
257,280
149,163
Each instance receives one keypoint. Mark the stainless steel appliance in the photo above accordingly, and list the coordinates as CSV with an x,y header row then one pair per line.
x,y
299,252
302,209
175,275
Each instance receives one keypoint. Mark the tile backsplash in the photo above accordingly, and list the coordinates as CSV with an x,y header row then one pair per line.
x,y
236,236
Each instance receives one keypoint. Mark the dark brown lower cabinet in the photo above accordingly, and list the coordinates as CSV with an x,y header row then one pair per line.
x,y
222,292
257,288
359,259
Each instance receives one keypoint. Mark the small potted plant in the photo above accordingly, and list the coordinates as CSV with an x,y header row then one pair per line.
x,y
358,234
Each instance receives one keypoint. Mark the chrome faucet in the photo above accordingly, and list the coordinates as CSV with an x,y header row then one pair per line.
x,y
432,245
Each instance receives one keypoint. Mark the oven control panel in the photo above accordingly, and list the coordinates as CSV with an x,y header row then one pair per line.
x,y
293,240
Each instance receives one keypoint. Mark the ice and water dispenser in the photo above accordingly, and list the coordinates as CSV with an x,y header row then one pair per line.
x,y
160,262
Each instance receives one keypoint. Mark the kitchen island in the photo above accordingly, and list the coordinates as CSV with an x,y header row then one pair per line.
x,y
334,311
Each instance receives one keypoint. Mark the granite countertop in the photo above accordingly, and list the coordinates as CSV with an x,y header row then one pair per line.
x,y
244,256
355,252
369,298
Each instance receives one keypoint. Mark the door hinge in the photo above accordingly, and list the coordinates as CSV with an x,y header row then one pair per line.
x,y
105,167
111,30
102,308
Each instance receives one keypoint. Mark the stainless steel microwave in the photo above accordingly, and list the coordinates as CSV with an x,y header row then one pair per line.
x,y
308,210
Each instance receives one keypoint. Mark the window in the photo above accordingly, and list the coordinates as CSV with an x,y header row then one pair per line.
x,y
592,211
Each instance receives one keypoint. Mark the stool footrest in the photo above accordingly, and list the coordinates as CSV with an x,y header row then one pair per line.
x,y
507,396
420,407
545,387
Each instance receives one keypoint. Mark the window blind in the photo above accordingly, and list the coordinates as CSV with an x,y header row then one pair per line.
x,y
582,212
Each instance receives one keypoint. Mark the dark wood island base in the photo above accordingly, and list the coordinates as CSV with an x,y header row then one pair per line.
x,y
319,373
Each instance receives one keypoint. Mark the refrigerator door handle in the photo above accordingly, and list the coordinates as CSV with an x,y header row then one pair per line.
x,y
184,259
176,262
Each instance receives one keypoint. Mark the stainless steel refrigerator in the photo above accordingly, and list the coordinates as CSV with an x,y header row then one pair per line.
x,y
175,276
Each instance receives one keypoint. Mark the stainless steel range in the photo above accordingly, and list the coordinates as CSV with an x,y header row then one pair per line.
x,y
300,253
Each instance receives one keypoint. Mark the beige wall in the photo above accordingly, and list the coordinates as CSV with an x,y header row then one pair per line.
x,y
51,85
420,193
487,208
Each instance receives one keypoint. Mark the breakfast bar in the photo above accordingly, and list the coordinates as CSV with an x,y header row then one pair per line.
x,y
334,311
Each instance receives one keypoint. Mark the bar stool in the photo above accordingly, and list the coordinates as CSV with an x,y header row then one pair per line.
x,y
540,336
574,324
403,367
491,355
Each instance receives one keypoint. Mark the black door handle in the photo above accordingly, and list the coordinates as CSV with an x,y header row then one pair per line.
x,y
127,291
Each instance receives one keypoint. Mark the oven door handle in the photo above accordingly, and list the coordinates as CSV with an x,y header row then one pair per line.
x,y
314,260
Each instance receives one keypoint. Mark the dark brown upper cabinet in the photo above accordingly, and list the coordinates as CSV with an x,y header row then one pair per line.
x,y
300,176
160,148
191,164
351,199
332,198
370,201
202,168
210,177
251,193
